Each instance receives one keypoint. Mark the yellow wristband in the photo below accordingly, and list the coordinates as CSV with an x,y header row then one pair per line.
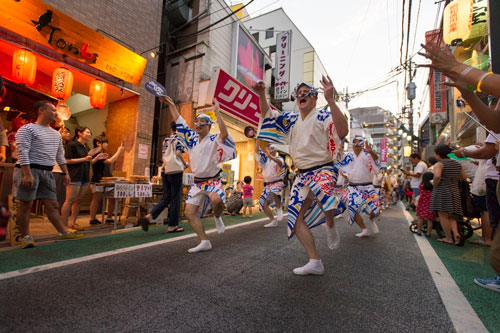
x,y
485,75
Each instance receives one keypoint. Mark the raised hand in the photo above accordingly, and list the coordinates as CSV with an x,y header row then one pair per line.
x,y
368,148
216,105
259,87
328,88
442,61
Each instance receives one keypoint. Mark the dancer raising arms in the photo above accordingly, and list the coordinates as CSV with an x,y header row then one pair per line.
x,y
314,139
205,151
273,171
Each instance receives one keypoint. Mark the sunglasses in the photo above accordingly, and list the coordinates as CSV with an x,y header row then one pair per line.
x,y
359,144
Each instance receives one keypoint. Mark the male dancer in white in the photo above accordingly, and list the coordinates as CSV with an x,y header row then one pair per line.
x,y
205,153
273,171
359,167
314,140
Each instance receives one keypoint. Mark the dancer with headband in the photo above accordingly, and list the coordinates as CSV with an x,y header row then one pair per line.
x,y
359,167
205,151
273,171
314,138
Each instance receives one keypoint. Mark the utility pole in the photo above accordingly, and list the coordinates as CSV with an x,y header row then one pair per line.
x,y
494,29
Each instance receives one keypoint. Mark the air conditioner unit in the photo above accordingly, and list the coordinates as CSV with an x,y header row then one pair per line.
x,y
178,12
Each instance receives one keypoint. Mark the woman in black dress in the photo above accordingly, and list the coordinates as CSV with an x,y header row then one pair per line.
x,y
101,167
78,163
445,199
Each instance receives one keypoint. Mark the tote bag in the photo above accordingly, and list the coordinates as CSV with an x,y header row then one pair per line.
x,y
171,162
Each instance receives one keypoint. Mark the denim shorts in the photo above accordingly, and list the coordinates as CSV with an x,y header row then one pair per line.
x,y
416,191
44,185
248,202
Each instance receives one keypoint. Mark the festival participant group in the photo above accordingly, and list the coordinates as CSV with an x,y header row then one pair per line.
x,y
327,182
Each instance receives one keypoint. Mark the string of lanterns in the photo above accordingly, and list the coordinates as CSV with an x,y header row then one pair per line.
x,y
24,65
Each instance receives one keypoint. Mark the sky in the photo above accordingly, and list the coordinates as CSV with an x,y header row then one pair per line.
x,y
358,42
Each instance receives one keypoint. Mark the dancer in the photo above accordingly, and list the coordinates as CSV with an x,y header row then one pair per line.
x,y
205,151
359,167
273,171
314,139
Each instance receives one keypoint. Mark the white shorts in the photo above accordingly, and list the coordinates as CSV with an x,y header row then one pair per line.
x,y
198,198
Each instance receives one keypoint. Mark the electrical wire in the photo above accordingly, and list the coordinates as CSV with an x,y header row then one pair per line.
x,y
402,33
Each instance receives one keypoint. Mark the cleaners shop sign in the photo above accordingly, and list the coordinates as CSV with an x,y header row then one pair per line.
x,y
47,26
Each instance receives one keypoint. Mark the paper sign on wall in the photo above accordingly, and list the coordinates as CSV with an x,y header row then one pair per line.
x,y
143,151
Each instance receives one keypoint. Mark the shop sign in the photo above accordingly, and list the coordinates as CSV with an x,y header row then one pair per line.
x,y
282,70
124,190
143,151
143,190
234,97
383,152
437,88
49,27
250,59
465,20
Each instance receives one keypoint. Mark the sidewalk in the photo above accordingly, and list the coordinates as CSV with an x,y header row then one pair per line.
x,y
15,258
464,264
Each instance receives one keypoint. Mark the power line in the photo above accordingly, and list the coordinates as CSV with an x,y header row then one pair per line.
x,y
402,33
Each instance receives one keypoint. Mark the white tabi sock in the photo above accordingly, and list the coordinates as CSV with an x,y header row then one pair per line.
x,y
279,214
363,233
374,225
219,224
332,237
205,245
271,224
314,266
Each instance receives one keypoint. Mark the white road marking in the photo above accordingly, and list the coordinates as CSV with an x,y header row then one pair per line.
x,y
461,313
63,263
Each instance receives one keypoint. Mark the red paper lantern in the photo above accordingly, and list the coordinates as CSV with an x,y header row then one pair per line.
x,y
24,67
62,83
97,94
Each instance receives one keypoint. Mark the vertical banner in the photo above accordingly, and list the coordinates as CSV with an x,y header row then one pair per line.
x,y
282,74
383,152
437,89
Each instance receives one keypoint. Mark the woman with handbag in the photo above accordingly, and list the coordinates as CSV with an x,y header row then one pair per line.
x,y
171,176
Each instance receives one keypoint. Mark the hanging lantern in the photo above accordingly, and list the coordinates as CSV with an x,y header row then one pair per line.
x,y
63,111
97,94
24,67
62,83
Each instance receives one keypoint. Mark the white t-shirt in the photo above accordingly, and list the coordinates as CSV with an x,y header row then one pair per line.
x,y
309,141
420,168
359,169
491,171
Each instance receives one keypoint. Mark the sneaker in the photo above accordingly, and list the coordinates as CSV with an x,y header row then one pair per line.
x,y
69,236
110,221
95,221
419,234
491,284
27,242
271,224
77,227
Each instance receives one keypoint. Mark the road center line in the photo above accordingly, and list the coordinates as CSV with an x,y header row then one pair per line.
x,y
461,313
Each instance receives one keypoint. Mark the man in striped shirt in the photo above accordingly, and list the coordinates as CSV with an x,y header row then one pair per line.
x,y
39,145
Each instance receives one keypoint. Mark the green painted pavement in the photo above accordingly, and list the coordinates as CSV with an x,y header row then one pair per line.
x,y
42,254
464,264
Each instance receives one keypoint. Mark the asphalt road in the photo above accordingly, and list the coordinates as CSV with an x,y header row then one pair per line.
x,y
245,284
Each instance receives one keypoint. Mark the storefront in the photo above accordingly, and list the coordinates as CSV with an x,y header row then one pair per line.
x,y
45,54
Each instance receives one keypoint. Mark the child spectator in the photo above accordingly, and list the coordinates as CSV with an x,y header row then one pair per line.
x,y
247,196
423,212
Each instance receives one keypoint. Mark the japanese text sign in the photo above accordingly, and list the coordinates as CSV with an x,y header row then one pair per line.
x,y
383,152
282,70
143,190
124,190
234,97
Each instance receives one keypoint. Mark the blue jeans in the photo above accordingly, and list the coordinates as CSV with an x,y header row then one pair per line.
x,y
172,190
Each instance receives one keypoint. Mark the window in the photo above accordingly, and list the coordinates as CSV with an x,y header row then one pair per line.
x,y
256,36
269,33
272,49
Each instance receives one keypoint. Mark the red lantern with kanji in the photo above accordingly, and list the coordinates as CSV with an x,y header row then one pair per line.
x,y
24,67
62,83
97,94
